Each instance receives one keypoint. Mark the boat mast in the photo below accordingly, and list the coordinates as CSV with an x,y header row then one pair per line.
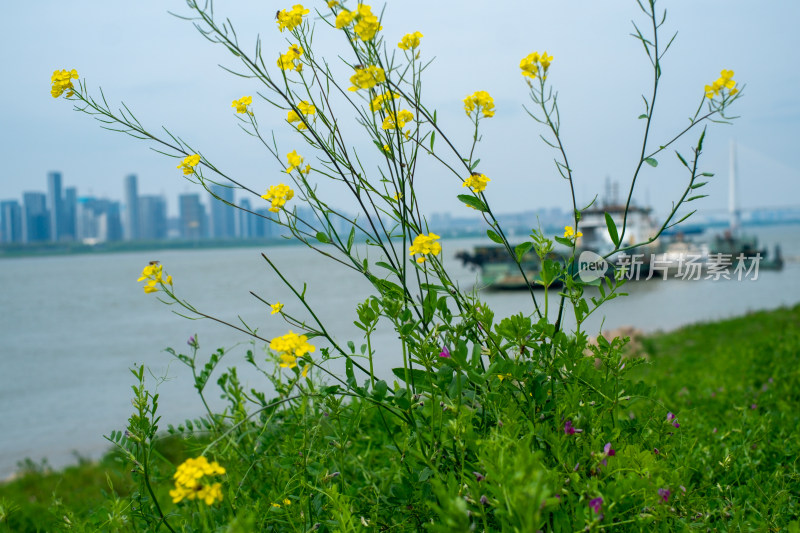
x,y
733,209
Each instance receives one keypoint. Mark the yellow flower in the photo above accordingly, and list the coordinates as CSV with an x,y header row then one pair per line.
x,y
725,81
276,308
242,103
569,233
291,59
397,196
424,245
294,159
367,26
154,276
287,501
477,182
276,505
366,78
290,347
333,3
545,60
410,41
188,164
344,19
393,121
189,481
481,101
278,195
305,109
386,148
62,81
382,100
288,20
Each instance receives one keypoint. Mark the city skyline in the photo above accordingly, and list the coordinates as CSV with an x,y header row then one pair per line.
x,y
598,70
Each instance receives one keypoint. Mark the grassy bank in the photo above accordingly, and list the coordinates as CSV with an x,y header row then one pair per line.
x,y
734,387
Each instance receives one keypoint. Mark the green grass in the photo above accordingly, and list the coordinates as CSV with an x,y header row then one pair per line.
x,y
731,466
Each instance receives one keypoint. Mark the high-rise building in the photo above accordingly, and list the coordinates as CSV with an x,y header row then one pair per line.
x,y
55,205
35,221
152,218
70,207
222,215
98,220
10,222
244,220
132,211
193,215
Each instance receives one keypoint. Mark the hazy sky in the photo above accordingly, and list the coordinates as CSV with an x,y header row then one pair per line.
x,y
167,73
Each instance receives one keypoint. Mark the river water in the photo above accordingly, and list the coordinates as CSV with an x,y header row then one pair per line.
x,y
71,326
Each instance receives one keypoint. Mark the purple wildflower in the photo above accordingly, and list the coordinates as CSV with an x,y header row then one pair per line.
x,y
714,430
192,341
655,451
664,494
479,477
569,429
610,452
671,417
577,466
484,500
754,407
596,504
676,424
683,489
445,352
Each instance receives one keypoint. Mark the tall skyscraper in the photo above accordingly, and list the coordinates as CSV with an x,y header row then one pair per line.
x,y
55,205
35,221
192,216
70,207
222,214
152,218
244,220
131,224
10,222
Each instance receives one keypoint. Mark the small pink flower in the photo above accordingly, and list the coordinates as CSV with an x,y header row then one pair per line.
x,y
445,352
609,452
664,495
569,429
655,451
596,504
754,407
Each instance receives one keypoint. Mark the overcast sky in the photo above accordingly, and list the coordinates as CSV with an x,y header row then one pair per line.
x,y
167,73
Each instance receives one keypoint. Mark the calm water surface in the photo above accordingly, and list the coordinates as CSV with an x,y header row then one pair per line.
x,y
71,326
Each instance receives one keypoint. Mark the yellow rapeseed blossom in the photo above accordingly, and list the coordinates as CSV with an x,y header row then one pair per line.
x,y
569,233
725,81
189,481
276,308
188,163
278,195
290,347
295,160
382,100
477,182
242,103
386,148
154,276
62,81
424,245
289,19
531,63
305,109
481,101
410,41
344,18
367,78
291,59
393,121
367,24
333,3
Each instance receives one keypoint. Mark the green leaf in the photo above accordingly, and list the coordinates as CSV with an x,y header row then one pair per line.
x,y
387,266
612,229
433,138
351,238
380,389
696,197
682,160
564,241
643,115
418,377
494,236
321,237
650,161
698,185
520,250
474,164
474,202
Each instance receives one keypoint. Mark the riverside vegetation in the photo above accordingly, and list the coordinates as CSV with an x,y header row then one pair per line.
x,y
489,423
